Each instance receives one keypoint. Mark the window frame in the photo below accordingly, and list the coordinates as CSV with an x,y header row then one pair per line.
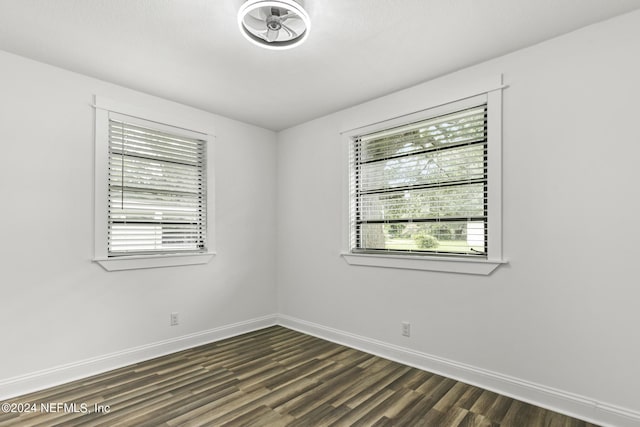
x,y
431,262
103,109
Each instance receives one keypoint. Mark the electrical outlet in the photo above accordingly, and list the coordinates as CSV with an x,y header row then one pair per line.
x,y
406,329
174,319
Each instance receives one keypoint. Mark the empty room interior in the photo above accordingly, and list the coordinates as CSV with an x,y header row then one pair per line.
x,y
320,212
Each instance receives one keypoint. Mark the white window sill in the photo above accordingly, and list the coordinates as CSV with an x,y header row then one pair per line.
x,y
152,261
441,264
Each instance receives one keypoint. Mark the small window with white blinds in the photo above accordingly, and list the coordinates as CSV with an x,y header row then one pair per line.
x,y
421,188
157,195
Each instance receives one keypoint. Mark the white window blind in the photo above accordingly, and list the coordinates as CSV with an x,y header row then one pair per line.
x,y
157,190
421,188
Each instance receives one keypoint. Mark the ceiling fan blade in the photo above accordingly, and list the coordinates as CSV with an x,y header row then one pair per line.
x,y
292,33
254,24
296,25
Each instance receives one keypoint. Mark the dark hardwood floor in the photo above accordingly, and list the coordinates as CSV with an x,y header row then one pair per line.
x,y
274,377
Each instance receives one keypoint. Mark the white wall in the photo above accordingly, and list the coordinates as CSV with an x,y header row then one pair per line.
x,y
56,306
563,314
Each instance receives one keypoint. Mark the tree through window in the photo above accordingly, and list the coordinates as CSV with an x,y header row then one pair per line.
x,y
422,187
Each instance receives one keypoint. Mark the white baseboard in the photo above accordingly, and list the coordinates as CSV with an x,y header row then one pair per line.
x,y
57,375
547,397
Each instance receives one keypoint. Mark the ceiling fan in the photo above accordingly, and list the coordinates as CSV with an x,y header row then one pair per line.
x,y
274,24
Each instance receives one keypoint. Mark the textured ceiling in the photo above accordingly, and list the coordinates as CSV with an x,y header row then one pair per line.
x,y
192,52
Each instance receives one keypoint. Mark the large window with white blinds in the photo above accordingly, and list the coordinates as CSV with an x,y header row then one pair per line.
x,y
157,190
421,188
153,188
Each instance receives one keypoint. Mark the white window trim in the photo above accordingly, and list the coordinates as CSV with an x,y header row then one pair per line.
x,y
103,107
451,264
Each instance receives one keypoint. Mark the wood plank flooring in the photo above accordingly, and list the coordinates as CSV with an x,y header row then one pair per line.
x,y
275,377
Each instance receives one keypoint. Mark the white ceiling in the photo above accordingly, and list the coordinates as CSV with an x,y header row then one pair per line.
x,y
192,52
